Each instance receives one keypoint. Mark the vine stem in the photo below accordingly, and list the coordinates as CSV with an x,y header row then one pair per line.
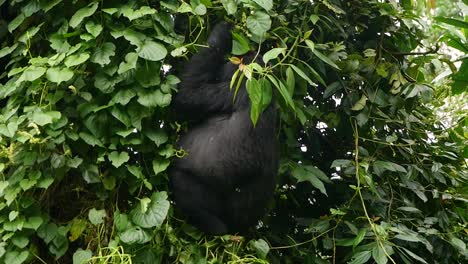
x,y
358,190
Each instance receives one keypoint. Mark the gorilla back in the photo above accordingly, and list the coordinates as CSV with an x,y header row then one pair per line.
x,y
226,179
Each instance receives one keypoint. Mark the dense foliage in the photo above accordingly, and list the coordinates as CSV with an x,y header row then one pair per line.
x,y
373,133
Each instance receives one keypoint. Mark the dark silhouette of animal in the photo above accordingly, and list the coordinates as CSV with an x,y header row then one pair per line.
x,y
225,181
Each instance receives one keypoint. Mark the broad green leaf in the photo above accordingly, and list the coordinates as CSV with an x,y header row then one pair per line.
x,y
58,75
120,221
255,94
96,217
230,6
117,158
360,257
332,89
160,165
379,255
93,28
135,14
16,22
152,51
261,247
44,118
200,9
78,226
240,44
259,23
359,105
154,98
83,13
104,83
33,73
359,237
458,243
16,257
82,256
386,165
302,174
135,235
155,214
273,54
158,136
20,241
76,59
7,50
147,73
123,97
129,63
102,54
265,4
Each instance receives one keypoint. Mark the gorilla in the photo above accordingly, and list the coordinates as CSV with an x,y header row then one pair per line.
x,y
224,182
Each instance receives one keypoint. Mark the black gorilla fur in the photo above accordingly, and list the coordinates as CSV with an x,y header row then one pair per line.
x,y
225,181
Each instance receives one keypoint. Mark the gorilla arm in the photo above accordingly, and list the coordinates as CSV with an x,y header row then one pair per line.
x,y
202,89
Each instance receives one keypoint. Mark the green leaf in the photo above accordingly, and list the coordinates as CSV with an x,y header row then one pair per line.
x,y
302,74
452,22
135,235
93,28
32,73
379,255
155,214
20,241
78,226
160,165
147,74
129,63
135,14
96,217
265,4
58,75
199,10
16,22
414,256
44,118
123,97
255,94
302,174
230,6
360,258
82,256
158,136
320,55
359,237
332,89
76,59
102,54
259,23
359,105
103,83
458,243
154,98
152,51
387,165
290,81
117,158
240,44
16,257
261,247
273,54
81,14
